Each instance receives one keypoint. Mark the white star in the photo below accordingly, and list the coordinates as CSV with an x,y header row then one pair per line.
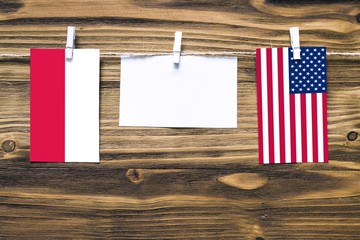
x,y
292,58
319,61
319,84
312,85
315,57
292,81
311,54
308,81
307,58
300,89
300,81
307,50
312,77
292,89
304,85
315,50
323,80
315,65
315,81
308,89
311,61
319,69
323,49
303,54
292,74
304,77
316,89
300,74
311,69
296,78
315,73
323,88
308,73
319,77
319,54
296,70
296,85
303,62
322,57
308,65
292,66
323,65
300,66
323,73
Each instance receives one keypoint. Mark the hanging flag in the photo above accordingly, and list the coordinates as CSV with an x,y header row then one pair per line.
x,y
291,94
64,105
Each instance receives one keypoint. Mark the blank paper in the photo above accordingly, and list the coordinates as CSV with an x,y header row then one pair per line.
x,y
200,92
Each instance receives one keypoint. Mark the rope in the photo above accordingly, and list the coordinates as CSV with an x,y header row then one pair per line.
x,y
128,54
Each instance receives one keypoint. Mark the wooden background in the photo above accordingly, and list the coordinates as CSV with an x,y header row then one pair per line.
x,y
180,183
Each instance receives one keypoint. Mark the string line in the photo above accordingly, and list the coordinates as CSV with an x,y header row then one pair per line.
x,y
129,54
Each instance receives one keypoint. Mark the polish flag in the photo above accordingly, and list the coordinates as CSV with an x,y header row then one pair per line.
x,y
64,105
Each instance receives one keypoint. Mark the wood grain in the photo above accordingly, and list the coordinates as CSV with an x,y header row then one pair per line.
x,y
166,183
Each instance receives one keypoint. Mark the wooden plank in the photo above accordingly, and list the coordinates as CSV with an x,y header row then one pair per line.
x,y
179,183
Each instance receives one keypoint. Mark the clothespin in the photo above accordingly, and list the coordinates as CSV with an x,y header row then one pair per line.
x,y
70,42
295,42
177,47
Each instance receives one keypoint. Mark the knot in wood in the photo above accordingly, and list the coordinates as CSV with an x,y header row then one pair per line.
x,y
352,136
259,238
8,146
135,176
358,18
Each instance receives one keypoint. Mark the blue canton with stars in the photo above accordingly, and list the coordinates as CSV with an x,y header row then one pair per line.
x,y
308,75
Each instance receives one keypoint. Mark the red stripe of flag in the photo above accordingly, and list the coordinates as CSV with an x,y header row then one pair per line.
x,y
292,128
47,90
259,99
303,127
281,105
315,128
325,127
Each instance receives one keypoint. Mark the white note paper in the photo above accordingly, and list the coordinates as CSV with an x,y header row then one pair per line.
x,y
200,92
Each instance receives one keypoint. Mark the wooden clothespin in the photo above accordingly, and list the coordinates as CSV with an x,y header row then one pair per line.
x,y
177,47
295,42
70,42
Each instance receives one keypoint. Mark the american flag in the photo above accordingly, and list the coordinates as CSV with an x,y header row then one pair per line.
x,y
291,96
